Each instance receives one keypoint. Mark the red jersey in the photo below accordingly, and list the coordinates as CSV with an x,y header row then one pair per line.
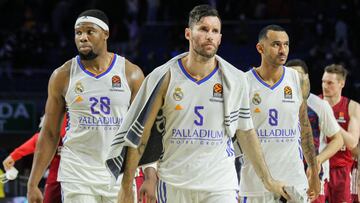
x,y
341,111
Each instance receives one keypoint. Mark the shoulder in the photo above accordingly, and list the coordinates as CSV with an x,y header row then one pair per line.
x,y
132,71
316,104
59,79
62,73
354,108
63,70
304,82
231,72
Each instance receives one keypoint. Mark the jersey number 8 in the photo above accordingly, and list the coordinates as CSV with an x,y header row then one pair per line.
x,y
273,117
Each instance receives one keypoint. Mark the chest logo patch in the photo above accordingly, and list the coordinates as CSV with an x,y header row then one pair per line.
x,y
79,88
256,100
287,92
79,99
257,110
116,81
178,94
218,90
178,107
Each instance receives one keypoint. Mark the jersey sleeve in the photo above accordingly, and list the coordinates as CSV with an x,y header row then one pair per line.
x,y
25,149
245,120
328,124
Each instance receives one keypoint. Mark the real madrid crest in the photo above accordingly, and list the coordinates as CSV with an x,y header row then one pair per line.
x,y
256,99
178,94
287,92
79,88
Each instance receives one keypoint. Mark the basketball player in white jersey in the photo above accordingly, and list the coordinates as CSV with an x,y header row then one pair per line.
x,y
198,157
326,130
278,107
95,90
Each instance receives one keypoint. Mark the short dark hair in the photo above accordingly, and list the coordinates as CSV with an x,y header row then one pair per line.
x,y
201,11
97,14
337,69
298,62
263,32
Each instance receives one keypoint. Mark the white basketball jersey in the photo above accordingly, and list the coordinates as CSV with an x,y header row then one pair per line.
x,y
275,112
96,106
198,154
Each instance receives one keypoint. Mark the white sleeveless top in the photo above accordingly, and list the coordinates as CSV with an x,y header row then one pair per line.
x,y
96,106
198,154
275,113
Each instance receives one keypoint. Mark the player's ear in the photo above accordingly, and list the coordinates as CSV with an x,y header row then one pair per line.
x,y
106,33
342,83
187,33
260,48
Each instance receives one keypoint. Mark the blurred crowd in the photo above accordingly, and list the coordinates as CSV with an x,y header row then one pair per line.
x,y
37,35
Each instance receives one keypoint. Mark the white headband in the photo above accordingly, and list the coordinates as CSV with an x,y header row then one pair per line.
x,y
94,20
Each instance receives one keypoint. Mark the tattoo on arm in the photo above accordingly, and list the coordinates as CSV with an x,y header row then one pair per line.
x,y
307,142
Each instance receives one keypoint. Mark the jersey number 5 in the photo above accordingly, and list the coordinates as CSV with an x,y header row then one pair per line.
x,y
200,120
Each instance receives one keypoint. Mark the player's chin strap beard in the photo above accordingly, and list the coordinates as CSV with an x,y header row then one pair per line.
x,y
90,56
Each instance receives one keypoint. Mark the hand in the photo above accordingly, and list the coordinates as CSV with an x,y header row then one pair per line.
x,y
34,195
314,184
125,196
148,190
8,163
277,187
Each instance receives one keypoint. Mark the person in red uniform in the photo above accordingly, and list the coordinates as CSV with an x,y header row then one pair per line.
x,y
347,113
52,187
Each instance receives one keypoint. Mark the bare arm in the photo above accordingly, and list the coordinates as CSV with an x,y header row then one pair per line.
x,y
134,76
134,154
23,150
331,148
251,147
50,133
351,136
307,142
